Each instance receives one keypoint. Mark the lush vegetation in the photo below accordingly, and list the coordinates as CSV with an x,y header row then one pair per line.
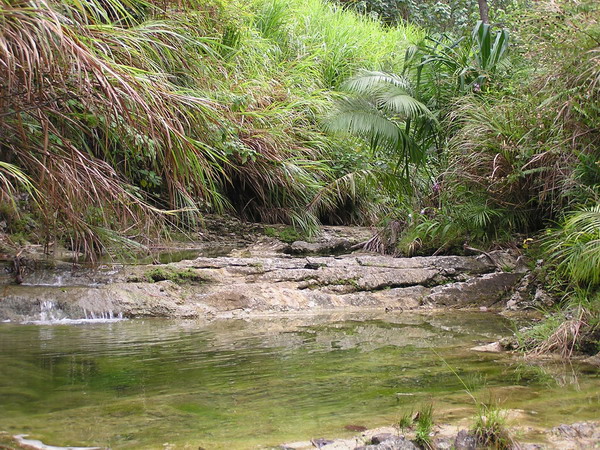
x,y
117,113
447,16
122,119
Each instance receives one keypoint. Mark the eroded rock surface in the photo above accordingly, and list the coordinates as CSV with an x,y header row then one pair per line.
x,y
255,283
582,435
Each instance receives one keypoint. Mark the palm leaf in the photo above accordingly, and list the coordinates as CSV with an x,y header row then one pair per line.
x,y
366,81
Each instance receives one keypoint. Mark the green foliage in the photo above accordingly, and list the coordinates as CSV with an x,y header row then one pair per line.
x,y
532,150
448,16
490,427
445,68
166,113
154,114
287,234
424,426
575,247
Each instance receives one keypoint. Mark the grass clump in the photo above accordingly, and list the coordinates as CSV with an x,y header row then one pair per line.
x,y
490,428
287,234
406,420
424,426
573,329
421,422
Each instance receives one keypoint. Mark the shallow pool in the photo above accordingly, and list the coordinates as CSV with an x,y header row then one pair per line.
x,y
261,382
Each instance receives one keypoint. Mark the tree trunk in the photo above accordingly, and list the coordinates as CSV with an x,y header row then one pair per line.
x,y
484,11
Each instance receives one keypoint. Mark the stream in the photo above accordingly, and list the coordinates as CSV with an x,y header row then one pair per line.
x,y
263,381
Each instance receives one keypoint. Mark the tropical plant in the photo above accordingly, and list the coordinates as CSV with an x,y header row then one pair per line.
x,y
445,68
381,109
575,247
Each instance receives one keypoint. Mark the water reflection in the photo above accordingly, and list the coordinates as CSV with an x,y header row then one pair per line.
x,y
244,383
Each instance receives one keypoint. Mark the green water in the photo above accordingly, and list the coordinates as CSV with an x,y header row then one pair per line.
x,y
247,384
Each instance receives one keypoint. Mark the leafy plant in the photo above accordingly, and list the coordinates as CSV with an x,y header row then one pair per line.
x,y
575,247
445,68
382,110
424,426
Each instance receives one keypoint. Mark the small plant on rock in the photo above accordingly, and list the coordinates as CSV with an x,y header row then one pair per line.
x,y
424,426
406,420
490,427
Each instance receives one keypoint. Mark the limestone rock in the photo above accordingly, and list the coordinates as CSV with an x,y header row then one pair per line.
x,y
465,441
227,286
486,290
494,347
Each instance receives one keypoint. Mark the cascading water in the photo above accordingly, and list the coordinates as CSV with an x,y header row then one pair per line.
x,y
51,313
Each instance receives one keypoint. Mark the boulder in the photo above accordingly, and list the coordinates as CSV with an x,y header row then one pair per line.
x,y
465,441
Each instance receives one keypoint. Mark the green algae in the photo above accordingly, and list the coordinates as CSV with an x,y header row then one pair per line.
x,y
243,384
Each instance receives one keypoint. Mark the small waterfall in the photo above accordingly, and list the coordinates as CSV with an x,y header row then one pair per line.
x,y
102,316
51,313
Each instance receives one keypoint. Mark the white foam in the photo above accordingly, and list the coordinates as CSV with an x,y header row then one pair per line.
x,y
39,445
71,321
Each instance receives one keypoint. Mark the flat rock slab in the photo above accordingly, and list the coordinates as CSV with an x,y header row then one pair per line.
x,y
230,286
486,290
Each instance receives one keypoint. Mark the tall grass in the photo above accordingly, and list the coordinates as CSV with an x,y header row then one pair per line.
x,y
122,111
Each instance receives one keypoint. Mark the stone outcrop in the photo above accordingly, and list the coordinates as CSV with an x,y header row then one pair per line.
x,y
580,435
231,286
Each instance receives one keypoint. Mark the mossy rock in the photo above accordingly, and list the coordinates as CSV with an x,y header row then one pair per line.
x,y
179,276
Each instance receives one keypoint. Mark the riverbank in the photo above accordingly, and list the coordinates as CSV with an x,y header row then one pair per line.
x,y
257,274
581,435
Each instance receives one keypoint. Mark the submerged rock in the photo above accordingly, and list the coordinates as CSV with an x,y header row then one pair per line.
x,y
391,443
586,430
494,347
321,442
34,444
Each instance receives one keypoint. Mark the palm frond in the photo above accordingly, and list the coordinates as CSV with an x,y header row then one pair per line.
x,y
361,117
367,81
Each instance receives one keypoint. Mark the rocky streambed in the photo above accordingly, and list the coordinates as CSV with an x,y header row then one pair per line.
x,y
258,281
375,343
580,435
